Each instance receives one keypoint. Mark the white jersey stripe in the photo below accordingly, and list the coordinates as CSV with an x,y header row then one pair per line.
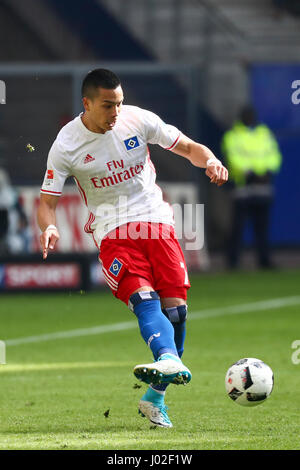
x,y
51,192
109,276
109,283
87,227
173,145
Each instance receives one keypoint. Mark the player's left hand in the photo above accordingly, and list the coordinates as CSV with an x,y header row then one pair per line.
x,y
48,240
217,173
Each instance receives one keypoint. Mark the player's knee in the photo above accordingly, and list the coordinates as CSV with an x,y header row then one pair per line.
x,y
139,297
176,315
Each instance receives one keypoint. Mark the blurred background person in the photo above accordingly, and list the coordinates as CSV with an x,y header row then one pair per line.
x,y
252,156
289,6
6,201
14,230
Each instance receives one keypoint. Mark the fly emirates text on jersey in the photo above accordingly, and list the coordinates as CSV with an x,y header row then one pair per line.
x,y
117,177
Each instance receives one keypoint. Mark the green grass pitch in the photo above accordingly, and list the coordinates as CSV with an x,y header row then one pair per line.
x,y
56,394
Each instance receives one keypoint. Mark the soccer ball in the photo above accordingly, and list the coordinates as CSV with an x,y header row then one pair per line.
x,y
249,381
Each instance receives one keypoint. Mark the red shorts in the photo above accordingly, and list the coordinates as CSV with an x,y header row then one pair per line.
x,y
144,254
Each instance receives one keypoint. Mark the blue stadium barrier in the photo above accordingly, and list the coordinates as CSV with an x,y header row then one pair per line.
x,y
272,96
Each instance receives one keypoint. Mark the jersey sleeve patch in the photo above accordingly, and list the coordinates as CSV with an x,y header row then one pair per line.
x,y
131,143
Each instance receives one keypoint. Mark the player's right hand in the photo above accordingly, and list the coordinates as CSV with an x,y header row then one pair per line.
x,y
48,239
217,173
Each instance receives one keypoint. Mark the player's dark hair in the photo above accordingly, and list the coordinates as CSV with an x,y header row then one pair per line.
x,y
99,78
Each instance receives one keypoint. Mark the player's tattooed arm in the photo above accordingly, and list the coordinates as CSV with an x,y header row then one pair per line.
x,y
46,220
200,155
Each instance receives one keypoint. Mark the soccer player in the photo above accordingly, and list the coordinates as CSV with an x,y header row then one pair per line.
x,y
105,150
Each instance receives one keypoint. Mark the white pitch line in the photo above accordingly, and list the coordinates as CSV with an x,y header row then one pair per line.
x,y
94,330
246,308
208,313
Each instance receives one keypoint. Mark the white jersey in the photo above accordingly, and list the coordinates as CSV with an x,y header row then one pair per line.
x,y
113,171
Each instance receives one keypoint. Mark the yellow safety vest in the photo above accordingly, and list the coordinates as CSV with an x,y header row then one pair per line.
x,y
250,149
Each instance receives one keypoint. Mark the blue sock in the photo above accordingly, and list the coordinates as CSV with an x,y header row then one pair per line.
x,y
179,334
154,396
178,315
156,330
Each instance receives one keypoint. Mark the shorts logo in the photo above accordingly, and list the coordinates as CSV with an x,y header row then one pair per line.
x,y
131,143
115,267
